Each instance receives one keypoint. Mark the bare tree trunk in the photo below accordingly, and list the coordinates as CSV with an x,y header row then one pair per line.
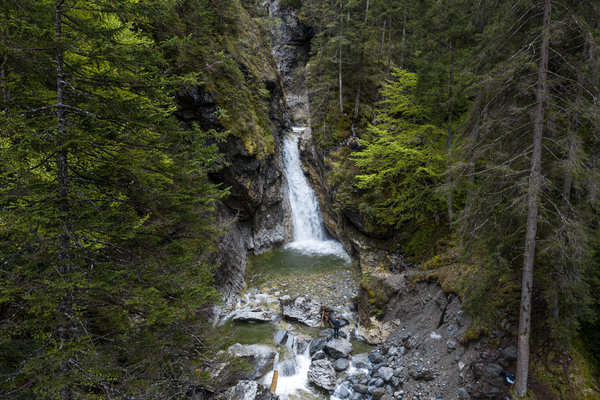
x,y
340,60
357,102
449,197
360,66
403,41
382,38
473,157
340,79
535,180
572,152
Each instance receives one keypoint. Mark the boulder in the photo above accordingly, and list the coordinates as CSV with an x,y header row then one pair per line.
x,y
302,310
257,315
510,353
322,375
386,373
302,344
260,357
375,331
419,372
281,337
378,393
341,364
341,392
360,388
375,357
249,390
360,361
338,348
317,345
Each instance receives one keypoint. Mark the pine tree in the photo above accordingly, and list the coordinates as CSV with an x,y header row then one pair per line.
x,y
402,161
105,203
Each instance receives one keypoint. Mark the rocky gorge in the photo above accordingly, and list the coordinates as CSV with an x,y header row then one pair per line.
x,y
415,332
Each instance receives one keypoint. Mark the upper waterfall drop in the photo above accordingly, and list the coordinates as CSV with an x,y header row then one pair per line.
x,y
309,231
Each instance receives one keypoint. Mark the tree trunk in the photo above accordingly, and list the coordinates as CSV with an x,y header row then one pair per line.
x,y
572,152
357,102
340,79
473,156
367,11
403,41
535,180
382,38
449,137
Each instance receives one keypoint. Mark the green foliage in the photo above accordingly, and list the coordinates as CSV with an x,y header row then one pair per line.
x,y
218,46
106,226
402,160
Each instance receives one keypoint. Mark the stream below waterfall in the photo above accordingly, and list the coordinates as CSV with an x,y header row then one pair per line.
x,y
312,266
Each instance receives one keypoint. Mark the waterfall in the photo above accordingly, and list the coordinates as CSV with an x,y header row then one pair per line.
x,y
309,236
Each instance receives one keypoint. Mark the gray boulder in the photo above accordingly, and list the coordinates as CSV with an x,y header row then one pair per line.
x,y
302,310
359,388
317,345
418,372
341,364
302,343
249,390
360,360
378,393
322,375
386,373
375,357
256,315
338,348
510,353
260,357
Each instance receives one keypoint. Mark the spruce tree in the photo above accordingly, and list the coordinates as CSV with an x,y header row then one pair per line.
x,y
105,202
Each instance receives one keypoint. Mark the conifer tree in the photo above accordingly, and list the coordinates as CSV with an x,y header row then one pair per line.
x,y
402,161
104,204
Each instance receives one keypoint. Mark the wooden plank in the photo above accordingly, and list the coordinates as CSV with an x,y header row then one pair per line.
x,y
274,381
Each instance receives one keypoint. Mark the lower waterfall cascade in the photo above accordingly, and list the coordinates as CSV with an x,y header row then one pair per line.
x,y
309,232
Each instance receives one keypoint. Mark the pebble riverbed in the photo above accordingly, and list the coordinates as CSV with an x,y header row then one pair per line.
x,y
337,289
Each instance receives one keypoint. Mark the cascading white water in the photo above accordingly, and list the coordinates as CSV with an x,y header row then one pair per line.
x,y
309,232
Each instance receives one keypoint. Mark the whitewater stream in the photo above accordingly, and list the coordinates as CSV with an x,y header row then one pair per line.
x,y
313,266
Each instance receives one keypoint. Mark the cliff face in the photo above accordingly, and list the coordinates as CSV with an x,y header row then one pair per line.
x,y
252,218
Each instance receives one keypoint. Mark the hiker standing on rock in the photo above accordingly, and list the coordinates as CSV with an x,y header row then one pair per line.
x,y
336,326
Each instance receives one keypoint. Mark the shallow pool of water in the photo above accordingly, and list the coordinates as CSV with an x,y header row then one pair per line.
x,y
285,261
